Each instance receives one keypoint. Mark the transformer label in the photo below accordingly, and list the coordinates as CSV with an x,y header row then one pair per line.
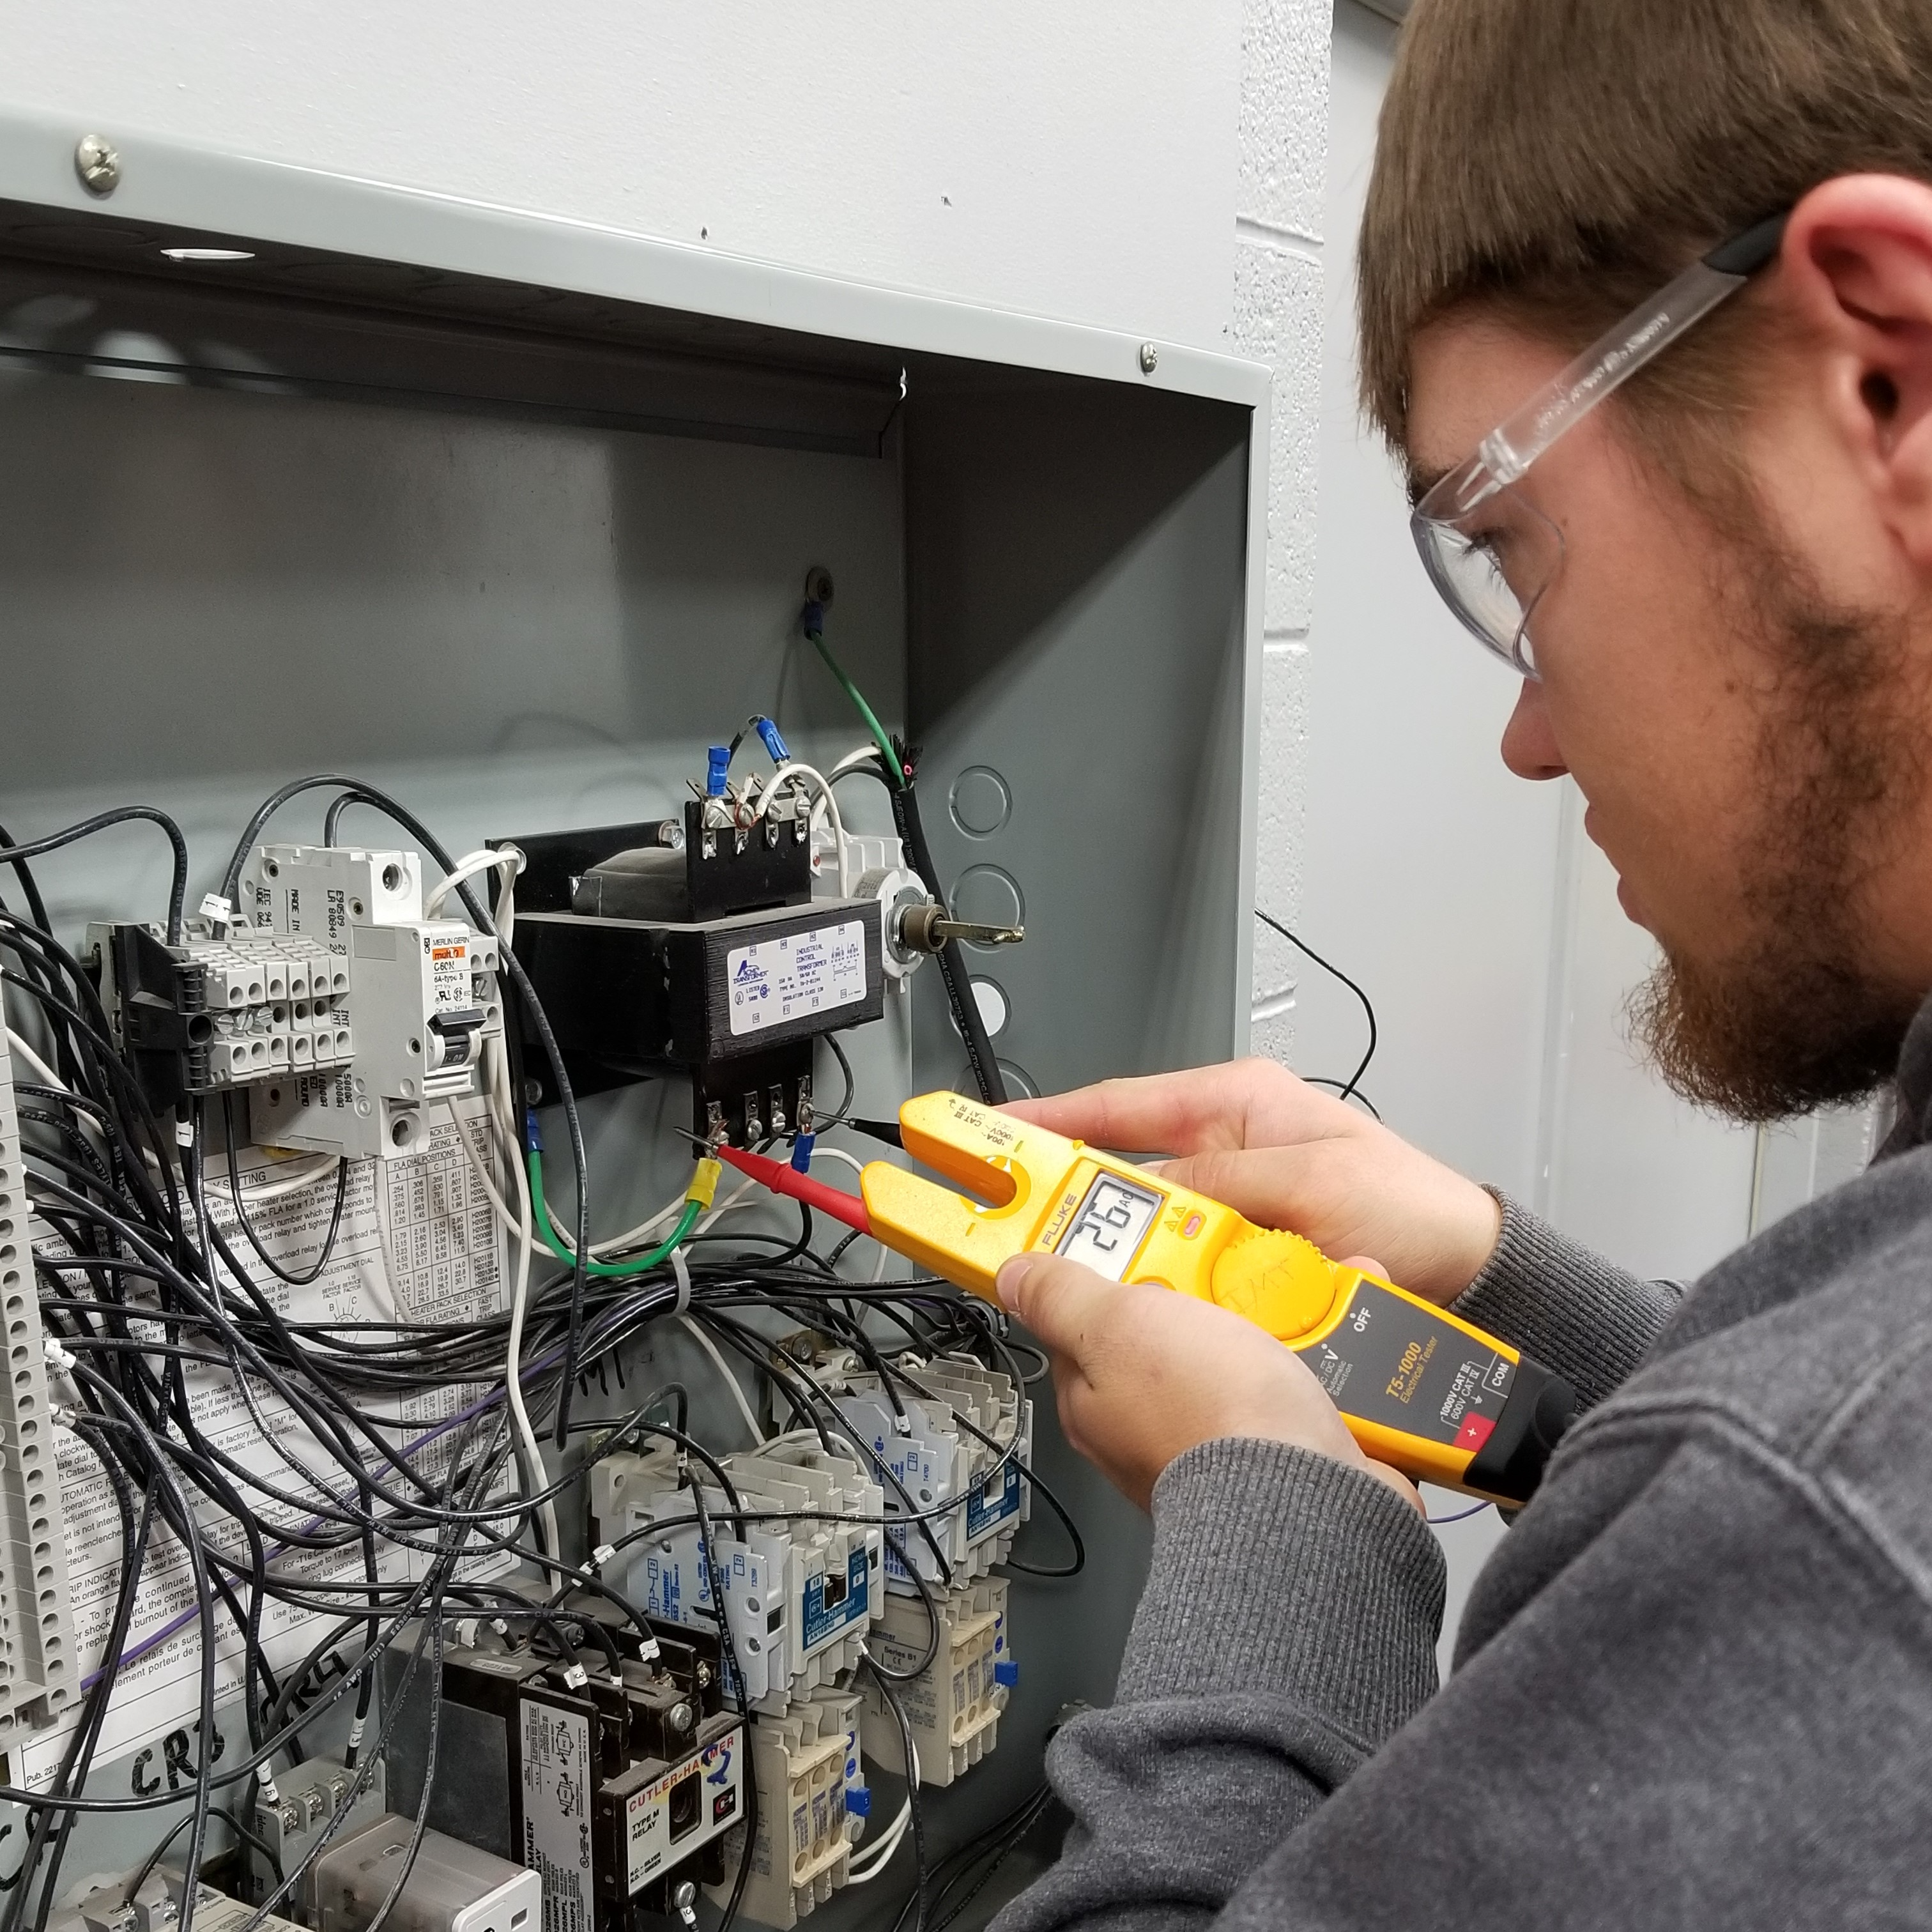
x,y
992,1502
1389,1362
831,1603
778,980
689,1805
555,1771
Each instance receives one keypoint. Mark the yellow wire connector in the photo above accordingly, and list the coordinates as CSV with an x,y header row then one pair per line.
x,y
704,1179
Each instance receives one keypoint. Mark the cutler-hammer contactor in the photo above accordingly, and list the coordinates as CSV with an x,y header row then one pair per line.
x,y
424,992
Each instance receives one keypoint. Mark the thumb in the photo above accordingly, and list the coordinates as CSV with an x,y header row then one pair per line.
x,y
1059,1301
1366,1265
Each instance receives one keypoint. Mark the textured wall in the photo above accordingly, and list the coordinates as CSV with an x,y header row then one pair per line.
x,y
1076,159
1278,319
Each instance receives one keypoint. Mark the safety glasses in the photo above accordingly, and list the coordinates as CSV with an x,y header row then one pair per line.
x,y
1488,550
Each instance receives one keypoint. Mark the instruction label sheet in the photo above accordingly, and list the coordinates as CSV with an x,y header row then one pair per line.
x,y
418,1242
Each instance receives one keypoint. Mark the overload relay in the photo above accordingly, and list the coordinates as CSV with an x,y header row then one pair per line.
x,y
696,948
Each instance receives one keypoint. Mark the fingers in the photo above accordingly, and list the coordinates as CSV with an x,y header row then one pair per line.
x,y
1273,1187
1059,1301
1174,1113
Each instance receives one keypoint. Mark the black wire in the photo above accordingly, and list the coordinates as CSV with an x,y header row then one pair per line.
x,y
120,815
1369,1105
248,1227
966,1015
837,1119
1368,1007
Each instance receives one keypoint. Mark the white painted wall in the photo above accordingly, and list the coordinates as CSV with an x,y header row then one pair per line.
x,y
1076,160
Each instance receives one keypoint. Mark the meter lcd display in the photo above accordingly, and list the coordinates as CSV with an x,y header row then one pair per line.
x,y
1113,1221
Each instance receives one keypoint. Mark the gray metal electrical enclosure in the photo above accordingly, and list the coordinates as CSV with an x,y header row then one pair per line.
x,y
510,515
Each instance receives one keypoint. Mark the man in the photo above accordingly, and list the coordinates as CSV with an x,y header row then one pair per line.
x,y
1694,1685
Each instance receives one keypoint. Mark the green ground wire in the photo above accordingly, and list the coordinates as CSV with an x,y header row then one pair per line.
x,y
865,710
640,1263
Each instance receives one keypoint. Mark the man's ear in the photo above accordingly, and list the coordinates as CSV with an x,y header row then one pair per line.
x,y
1857,262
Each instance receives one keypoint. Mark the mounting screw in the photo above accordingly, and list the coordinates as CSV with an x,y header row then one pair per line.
x,y
818,585
97,164
1150,358
681,1717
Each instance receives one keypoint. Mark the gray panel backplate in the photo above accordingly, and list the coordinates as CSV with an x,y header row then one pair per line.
x,y
523,581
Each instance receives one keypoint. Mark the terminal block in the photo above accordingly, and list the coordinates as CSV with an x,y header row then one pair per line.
x,y
807,1765
154,1905
800,1596
953,1706
216,1014
426,999
291,1817
39,1674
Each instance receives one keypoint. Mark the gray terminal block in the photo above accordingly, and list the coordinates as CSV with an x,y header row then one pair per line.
x,y
451,1887
304,1807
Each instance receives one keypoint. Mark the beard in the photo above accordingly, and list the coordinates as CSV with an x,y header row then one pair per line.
x,y
1790,1019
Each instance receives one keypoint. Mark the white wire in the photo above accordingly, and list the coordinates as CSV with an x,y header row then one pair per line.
x,y
503,1120
881,1853
467,867
271,1190
821,1152
513,1353
35,1061
852,761
791,773
731,1382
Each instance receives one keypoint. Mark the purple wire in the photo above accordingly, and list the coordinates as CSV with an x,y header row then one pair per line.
x,y
1460,1515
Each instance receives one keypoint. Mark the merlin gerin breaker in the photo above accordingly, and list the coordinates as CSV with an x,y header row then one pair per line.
x,y
1419,1389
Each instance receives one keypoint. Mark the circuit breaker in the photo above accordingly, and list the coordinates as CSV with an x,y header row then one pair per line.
x,y
424,992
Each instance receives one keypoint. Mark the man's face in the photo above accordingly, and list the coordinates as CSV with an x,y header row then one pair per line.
x,y
1740,710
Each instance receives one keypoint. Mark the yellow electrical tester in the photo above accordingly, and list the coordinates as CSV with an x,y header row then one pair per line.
x,y
1420,1389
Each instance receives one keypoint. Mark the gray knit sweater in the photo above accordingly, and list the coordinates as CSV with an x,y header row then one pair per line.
x,y
1693,1685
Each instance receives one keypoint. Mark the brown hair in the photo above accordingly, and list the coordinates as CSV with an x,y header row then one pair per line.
x,y
1564,158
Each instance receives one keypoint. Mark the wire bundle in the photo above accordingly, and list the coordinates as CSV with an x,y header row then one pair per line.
x,y
368,1513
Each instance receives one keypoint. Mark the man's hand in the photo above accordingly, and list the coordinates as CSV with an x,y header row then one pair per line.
x,y
1286,1155
1143,1374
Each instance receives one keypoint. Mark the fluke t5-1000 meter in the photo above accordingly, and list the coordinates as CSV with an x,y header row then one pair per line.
x,y
1421,1389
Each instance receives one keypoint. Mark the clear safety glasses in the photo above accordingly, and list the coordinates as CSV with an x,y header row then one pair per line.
x,y
1488,550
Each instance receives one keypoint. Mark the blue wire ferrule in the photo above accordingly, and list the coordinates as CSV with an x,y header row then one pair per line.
x,y
811,620
859,1800
714,777
774,743
801,1152
533,1133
